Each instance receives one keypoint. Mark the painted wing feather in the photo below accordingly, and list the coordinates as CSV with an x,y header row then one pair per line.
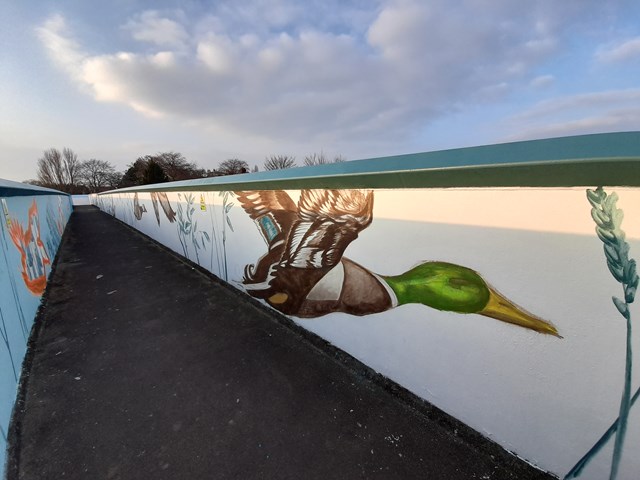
x,y
329,220
273,211
259,202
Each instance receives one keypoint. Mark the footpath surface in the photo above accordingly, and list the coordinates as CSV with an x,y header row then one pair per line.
x,y
143,367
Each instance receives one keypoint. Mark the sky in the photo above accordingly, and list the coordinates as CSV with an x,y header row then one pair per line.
x,y
359,78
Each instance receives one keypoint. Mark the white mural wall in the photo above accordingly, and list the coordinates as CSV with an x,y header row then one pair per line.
x,y
493,304
30,234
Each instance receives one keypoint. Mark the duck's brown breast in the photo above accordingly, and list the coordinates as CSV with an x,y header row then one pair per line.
x,y
347,288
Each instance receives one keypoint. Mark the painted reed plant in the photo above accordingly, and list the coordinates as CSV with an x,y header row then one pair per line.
x,y
227,204
4,334
608,219
188,227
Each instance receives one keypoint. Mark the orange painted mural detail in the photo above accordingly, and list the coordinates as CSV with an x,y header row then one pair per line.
x,y
34,257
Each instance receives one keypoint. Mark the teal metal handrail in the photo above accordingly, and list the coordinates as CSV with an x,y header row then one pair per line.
x,y
585,160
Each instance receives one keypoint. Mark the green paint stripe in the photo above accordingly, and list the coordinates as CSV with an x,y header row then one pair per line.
x,y
587,160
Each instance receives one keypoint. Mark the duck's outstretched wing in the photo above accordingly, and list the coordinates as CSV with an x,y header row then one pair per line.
x,y
274,213
328,221
305,241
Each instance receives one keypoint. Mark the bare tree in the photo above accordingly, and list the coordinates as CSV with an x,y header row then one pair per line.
x,y
59,170
316,159
254,169
321,159
114,180
50,171
233,166
279,162
71,166
97,175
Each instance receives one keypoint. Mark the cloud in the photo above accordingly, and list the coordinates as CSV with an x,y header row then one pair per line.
x,y
311,73
65,51
216,52
620,52
542,81
151,27
579,103
594,112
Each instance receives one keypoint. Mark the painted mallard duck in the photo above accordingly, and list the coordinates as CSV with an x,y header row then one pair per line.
x,y
305,274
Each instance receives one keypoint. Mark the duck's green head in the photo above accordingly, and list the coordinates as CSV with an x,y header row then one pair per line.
x,y
443,286
454,288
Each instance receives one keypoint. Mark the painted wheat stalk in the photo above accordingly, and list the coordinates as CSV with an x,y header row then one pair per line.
x,y
226,207
608,219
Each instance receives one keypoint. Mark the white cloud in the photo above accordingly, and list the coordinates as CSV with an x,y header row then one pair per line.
x,y
578,114
542,81
580,103
271,74
269,13
150,26
216,53
66,52
621,52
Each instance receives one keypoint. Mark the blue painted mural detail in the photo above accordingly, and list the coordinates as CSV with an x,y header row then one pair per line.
x,y
608,219
268,227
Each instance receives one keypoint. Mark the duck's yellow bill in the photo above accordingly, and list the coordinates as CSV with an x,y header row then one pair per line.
x,y
500,308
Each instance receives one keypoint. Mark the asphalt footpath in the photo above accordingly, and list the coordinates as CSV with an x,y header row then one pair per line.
x,y
141,366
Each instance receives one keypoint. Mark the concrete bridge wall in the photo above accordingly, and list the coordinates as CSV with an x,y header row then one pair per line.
x,y
33,221
472,277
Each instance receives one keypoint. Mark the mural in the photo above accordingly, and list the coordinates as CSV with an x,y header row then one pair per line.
x,y
608,219
161,197
13,286
304,272
34,256
30,234
351,258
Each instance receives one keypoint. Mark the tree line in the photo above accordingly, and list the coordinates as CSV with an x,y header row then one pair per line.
x,y
62,170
